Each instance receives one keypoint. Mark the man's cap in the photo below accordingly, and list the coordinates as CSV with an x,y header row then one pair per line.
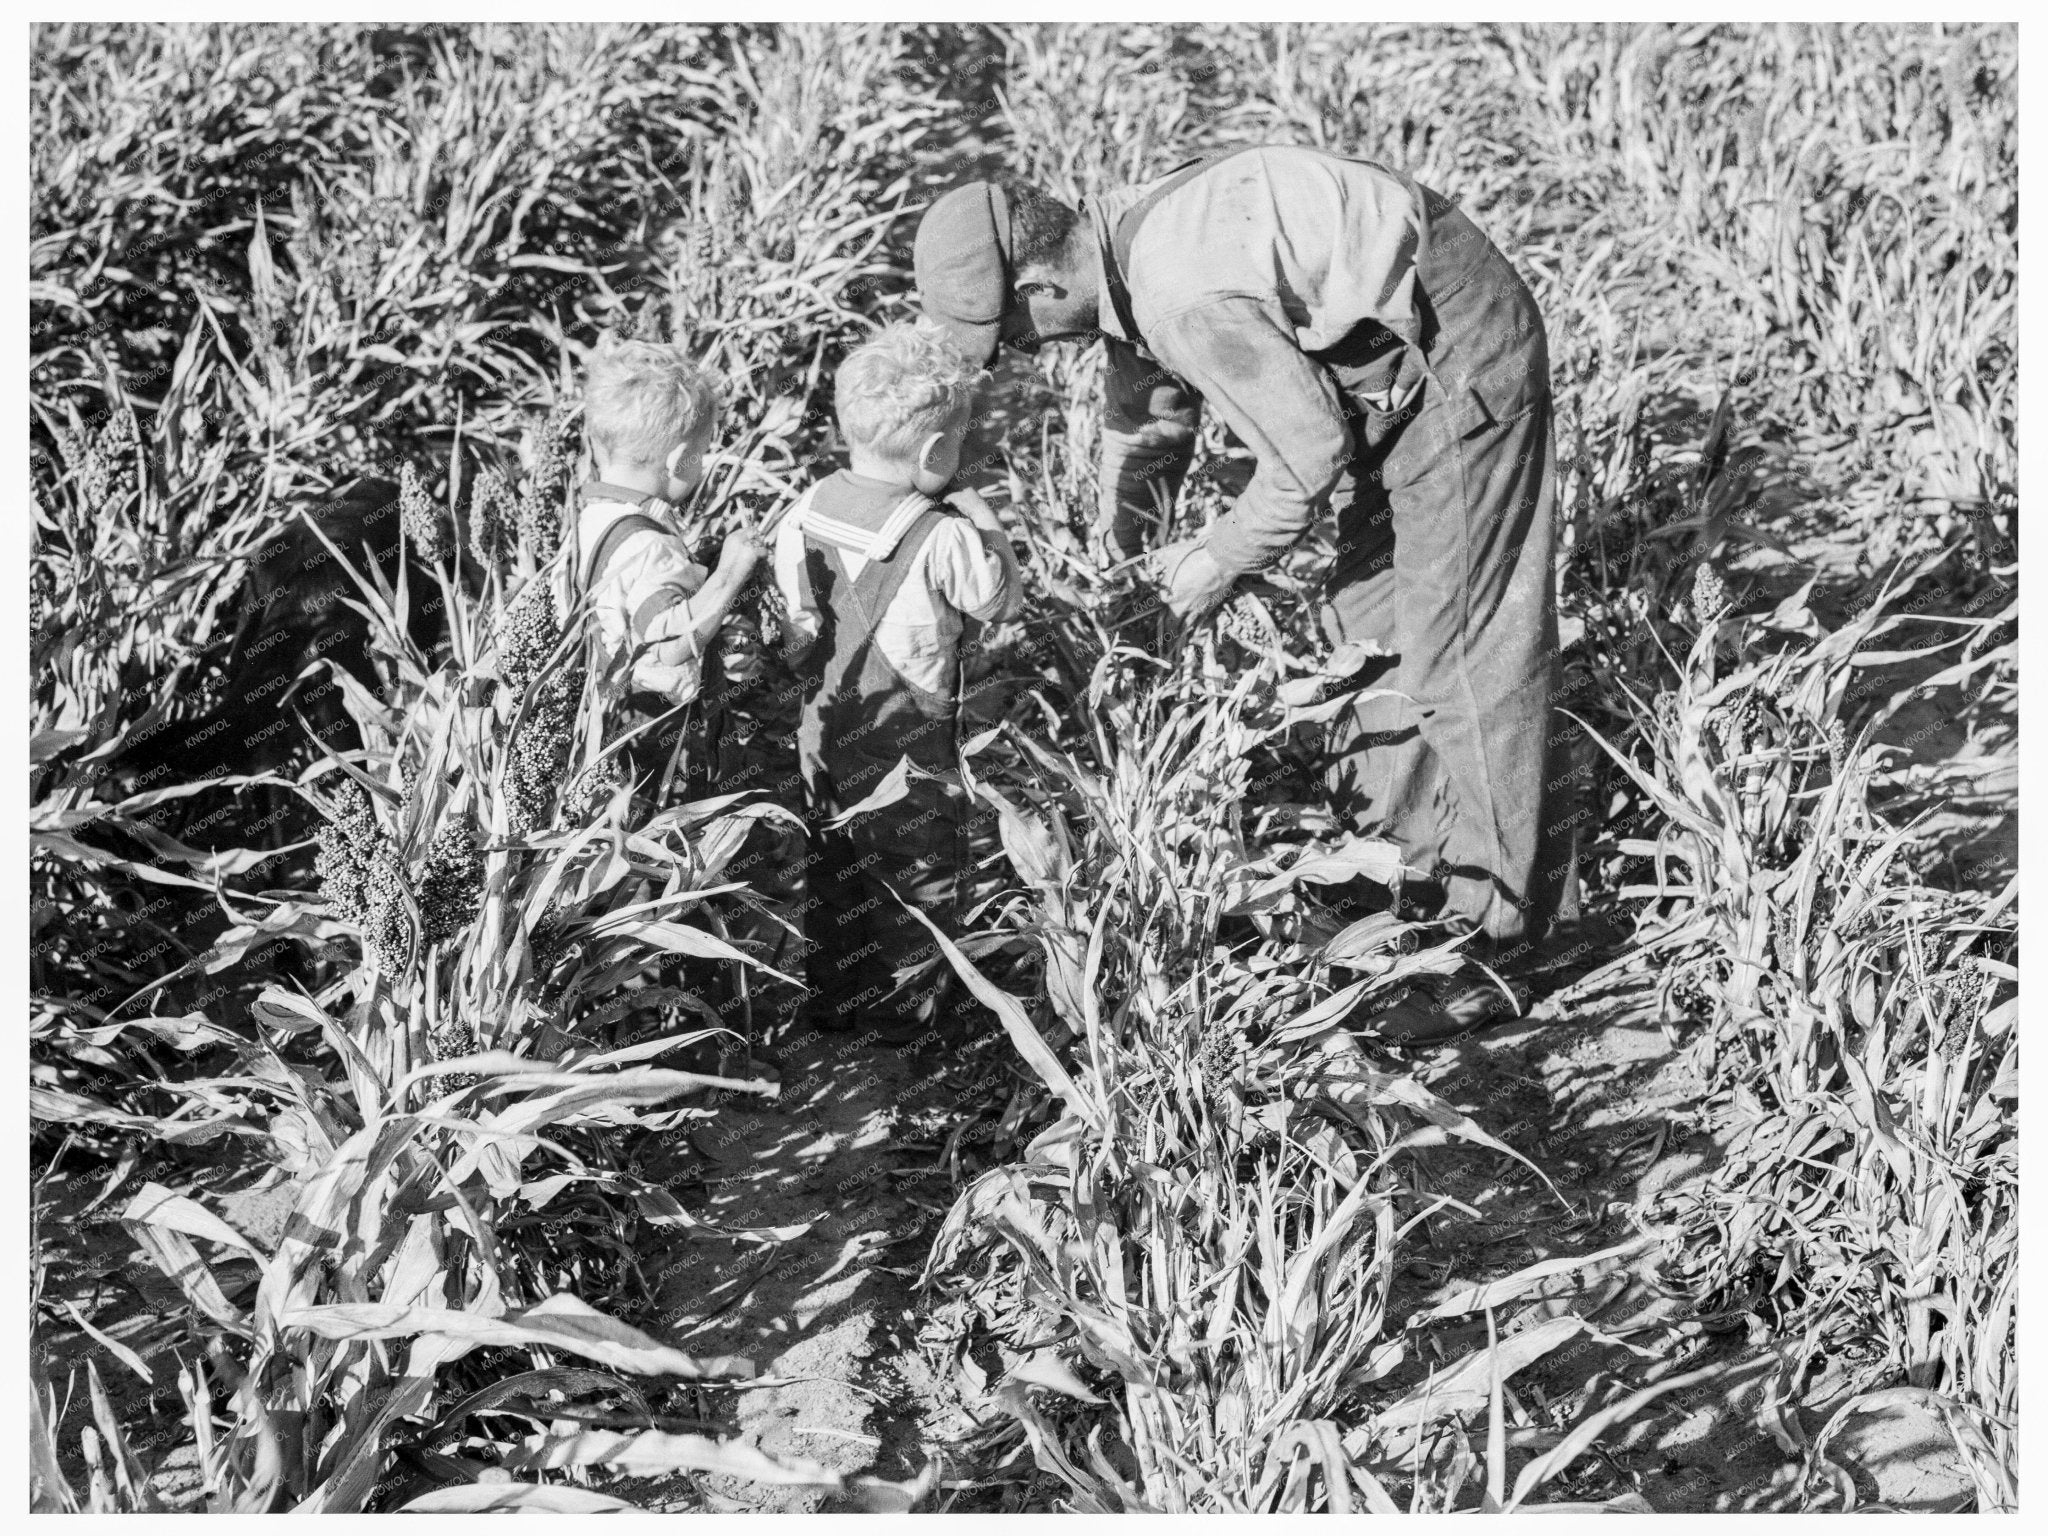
x,y
961,255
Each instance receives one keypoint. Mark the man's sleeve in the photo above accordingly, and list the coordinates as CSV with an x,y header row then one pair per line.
x,y
1149,421
1282,405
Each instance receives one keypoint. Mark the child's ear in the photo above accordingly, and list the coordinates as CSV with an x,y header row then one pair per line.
x,y
937,460
673,462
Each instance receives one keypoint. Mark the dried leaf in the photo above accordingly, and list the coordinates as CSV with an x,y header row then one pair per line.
x,y
561,1322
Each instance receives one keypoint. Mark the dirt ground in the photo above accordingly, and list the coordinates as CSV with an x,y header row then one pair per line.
x,y
857,1152
1595,1092
1589,1087
850,1151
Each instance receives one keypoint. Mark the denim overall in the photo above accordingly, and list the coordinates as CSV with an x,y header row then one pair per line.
x,y
871,963
1446,546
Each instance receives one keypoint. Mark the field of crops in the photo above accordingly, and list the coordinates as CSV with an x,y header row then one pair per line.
x,y
421,1122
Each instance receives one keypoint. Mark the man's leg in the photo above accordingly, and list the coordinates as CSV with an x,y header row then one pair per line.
x,y
1381,769
1476,625
1451,567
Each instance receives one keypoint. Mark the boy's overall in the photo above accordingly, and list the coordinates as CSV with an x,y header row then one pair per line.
x,y
629,585
872,963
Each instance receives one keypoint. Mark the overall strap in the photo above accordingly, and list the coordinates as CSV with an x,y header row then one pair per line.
x,y
615,534
1117,259
621,528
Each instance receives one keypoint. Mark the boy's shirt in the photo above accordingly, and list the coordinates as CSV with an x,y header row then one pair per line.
x,y
953,573
643,594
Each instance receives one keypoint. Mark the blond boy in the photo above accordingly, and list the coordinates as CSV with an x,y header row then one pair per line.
x,y
649,413
879,568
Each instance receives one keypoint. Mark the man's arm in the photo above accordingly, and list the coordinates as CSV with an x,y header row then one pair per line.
x,y
1149,423
1281,404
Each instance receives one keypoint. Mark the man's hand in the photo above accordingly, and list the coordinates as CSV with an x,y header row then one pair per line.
x,y
1193,585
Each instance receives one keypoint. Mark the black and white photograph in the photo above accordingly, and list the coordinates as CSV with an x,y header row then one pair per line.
x,y
995,767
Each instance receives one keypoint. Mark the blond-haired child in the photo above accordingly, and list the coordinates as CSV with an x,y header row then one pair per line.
x,y
649,413
879,568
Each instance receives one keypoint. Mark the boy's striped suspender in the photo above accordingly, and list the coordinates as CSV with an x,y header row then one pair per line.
x,y
621,528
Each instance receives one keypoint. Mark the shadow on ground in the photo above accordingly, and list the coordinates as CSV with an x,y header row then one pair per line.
x,y
1606,1104
840,1167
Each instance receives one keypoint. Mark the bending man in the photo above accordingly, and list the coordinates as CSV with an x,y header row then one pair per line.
x,y
1377,355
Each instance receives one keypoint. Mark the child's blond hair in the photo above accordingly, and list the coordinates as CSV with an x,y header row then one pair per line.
x,y
899,387
643,398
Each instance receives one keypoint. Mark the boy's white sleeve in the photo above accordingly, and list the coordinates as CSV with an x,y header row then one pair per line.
x,y
649,584
803,622
971,575
652,576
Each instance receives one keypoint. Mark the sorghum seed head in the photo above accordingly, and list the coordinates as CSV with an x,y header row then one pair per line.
x,y
387,931
348,844
117,446
419,517
487,503
552,446
94,468
540,523
528,632
1245,620
449,1039
352,813
592,790
552,952
1709,593
1219,1050
540,754
540,509
451,881
340,868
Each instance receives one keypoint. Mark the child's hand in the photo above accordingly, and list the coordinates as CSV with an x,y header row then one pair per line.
x,y
739,555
